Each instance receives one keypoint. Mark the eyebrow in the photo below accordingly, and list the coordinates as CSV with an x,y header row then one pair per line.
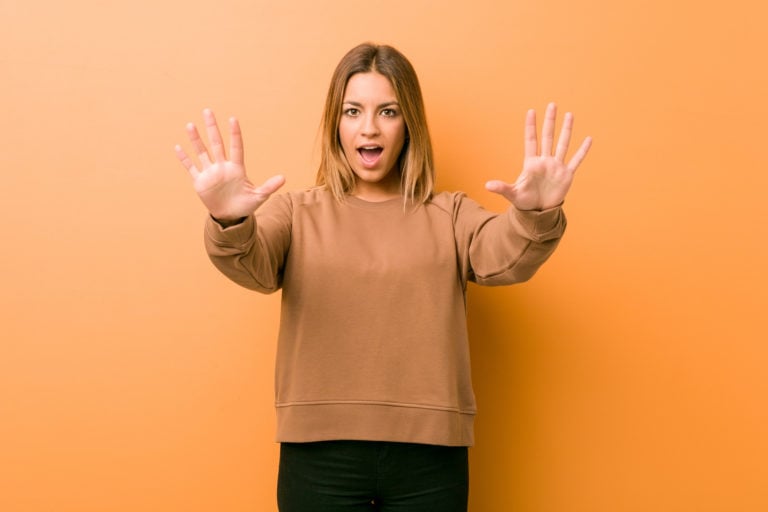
x,y
383,105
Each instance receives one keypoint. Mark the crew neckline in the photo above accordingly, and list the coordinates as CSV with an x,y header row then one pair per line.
x,y
387,203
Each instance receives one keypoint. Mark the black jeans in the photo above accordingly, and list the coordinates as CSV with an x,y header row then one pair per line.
x,y
341,476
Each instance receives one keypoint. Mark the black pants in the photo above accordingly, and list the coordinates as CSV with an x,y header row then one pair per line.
x,y
341,476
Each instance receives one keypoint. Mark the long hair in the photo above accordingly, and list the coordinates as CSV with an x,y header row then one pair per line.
x,y
415,164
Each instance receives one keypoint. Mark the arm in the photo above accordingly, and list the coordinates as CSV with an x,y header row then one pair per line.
x,y
248,251
510,247
252,253
506,248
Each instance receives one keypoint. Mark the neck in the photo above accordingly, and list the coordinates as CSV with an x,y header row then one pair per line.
x,y
388,188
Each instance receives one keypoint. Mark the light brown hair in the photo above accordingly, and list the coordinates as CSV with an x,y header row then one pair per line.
x,y
415,165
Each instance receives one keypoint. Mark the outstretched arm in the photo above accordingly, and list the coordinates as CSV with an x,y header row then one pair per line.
x,y
546,177
221,181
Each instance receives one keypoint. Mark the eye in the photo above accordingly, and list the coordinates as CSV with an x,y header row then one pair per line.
x,y
351,111
389,112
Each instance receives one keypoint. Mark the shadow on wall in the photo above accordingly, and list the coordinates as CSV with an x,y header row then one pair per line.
x,y
506,352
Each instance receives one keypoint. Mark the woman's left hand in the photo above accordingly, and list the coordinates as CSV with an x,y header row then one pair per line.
x,y
545,178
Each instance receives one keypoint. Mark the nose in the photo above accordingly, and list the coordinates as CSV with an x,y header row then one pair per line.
x,y
370,126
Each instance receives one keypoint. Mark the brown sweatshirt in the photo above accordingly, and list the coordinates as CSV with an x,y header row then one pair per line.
x,y
373,335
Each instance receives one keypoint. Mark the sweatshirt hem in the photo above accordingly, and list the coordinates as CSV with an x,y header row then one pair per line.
x,y
387,421
376,403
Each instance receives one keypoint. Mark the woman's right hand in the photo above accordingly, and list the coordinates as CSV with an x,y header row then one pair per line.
x,y
221,182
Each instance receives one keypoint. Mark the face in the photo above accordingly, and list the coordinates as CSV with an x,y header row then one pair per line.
x,y
372,134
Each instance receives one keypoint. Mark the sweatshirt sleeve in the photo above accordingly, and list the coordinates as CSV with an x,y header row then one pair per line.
x,y
253,253
506,248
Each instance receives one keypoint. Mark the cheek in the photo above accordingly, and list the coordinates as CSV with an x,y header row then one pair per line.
x,y
399,134
345,135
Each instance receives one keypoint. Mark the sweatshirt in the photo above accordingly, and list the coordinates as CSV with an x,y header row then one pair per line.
x,y
373,341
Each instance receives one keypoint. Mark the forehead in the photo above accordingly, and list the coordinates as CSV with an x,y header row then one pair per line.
x,y
370,86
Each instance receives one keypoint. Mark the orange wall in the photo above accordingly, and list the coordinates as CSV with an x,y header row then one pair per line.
x,y
628,375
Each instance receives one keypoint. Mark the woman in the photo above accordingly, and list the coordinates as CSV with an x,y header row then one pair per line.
x,y
373,392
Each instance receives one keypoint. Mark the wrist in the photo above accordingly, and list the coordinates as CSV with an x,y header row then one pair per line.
x,y
225,223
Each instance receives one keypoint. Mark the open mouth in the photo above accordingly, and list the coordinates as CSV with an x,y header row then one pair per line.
x,y
370,154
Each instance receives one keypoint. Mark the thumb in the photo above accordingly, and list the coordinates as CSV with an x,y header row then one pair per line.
x,y
271,185
502,188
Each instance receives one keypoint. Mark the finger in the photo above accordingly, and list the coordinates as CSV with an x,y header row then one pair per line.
x,y
198,144
186,161
531,145
565,137
235,142
580,154
548,130
214,136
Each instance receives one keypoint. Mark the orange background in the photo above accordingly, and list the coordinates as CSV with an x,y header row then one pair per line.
x,y
628,375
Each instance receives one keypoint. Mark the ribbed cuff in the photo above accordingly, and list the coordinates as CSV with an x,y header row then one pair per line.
x,y
541,224
232,236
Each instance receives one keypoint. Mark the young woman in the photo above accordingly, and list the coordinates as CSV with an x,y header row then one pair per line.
x,y
374,398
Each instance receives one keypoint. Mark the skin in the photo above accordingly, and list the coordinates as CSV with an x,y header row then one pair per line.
x,y
221,181
224,188
546,177
371,117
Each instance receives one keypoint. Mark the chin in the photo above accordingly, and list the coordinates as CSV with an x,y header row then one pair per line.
x,y
371,175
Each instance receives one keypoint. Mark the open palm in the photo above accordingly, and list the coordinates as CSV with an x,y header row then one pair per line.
x,y
546,177
222,182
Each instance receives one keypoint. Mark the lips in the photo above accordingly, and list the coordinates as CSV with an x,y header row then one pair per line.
x,y
370,154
